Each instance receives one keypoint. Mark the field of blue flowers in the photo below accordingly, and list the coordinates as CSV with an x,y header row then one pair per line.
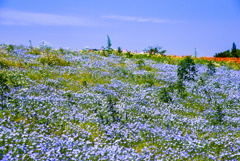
x,y
65,105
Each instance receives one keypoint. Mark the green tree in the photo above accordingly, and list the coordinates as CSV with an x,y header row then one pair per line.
x,y
224,54
109,43
155,49
234,50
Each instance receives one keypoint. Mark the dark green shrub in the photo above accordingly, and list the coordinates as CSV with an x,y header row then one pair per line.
x,y
211,68
164,95
119,51
124,71
128,54
10,48
149,83
3,87
111,115
181,89
61,51
3,64
217,118
186,69
140,63
111,108
84,84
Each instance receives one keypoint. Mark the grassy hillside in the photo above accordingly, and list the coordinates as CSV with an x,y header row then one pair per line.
x,y
65,105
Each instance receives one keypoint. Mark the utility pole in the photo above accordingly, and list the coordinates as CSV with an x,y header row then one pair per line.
x,y
195,53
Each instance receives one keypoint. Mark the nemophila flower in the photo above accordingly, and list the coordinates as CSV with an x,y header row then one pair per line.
x,y
69,124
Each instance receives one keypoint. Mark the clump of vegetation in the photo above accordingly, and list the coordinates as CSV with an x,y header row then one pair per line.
x,y
186,69
128,54
4,88
34,51
181,88
84,83
164,95
3,64
211,68
140,63
53,59
119,51
111,114
112,109
217,118
10,48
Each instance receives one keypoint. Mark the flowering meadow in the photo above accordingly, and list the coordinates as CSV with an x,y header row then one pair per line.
x,y
58,104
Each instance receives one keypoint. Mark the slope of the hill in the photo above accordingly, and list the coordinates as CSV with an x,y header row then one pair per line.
x,y
63,105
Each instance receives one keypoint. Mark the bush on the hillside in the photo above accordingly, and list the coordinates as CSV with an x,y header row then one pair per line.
x,y
53,59
3,64
140,64
164,95
211,68
3,87
119,51
10,48
186,69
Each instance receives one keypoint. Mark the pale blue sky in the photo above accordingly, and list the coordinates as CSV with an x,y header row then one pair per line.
x,y
178,26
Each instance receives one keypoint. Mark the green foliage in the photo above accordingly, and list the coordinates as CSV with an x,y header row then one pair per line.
x,y
53,59
217,118
10,48
154,49
111,108
128,54
164,95
84,84
149,82
119,51
109,43
148,79
211,68
224,54
61,50
140,63
234,52
186,69
3,81
34,51
3,64
3,87
16,80
181,89
111,114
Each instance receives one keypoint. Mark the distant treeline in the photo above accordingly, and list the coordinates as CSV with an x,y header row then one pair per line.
x,y
234,53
